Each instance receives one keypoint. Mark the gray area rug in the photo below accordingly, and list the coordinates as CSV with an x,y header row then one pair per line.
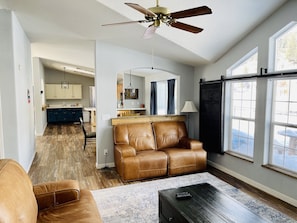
x,y
139,202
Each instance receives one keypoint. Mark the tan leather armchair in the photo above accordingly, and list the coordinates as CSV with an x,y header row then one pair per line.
x,y
61,201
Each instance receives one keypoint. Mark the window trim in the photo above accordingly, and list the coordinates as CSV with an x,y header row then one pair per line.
x,y
241,61
249,77
270,112
272,48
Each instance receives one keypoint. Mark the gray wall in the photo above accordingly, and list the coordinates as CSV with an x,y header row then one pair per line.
x,y
111,60
55,77
268,180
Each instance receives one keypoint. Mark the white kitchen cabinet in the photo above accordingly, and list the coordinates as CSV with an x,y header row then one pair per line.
x,y
55,91
76,91
50,91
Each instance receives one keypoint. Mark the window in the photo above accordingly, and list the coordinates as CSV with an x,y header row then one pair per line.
x,y
283,134
285,57
162,97
283,150
240,107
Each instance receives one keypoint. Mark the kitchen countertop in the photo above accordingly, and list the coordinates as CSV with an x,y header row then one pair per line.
x,y
63,106
90,109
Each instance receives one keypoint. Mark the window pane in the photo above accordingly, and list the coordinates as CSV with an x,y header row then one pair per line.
x,y
243,99
286,50
293,95
249,66
281,112
162,97
243,137
284,149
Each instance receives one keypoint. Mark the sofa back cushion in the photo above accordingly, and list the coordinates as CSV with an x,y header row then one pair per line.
x,y
138,135
169,133
17,200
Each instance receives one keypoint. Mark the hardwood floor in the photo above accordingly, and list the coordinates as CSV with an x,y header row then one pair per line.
x,y
60,155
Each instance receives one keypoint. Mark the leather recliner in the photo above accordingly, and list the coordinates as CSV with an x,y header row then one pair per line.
x,y
60,201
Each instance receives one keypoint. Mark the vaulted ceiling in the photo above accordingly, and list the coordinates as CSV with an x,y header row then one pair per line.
x,y
76,23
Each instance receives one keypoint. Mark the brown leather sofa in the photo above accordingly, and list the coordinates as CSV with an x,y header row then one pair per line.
x,y
61,201
144,150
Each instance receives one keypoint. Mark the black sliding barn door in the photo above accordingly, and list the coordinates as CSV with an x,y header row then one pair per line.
x,y
211,119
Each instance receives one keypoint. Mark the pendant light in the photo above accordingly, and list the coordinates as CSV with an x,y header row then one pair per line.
x,y
64,83
130,84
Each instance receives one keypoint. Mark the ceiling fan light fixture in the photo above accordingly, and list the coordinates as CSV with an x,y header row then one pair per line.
x,y
159,10
150,31
157,23
159,14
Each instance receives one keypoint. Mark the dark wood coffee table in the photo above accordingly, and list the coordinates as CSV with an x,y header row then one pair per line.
x,y
207,204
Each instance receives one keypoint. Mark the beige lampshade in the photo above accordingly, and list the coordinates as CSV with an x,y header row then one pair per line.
x,y
189,107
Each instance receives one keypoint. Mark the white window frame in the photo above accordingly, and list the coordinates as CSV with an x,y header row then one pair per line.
x,y
270,100
228,105
272,46
274,123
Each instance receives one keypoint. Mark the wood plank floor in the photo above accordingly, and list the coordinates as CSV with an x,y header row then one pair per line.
x,y
60,155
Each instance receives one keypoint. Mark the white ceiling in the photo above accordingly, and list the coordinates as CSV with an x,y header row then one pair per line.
x,y
77,22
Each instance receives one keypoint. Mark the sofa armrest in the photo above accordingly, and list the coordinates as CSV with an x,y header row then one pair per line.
x,y
125,150
192,144
53,194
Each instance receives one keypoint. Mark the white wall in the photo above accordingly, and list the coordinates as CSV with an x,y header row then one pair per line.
x,y
270,181
1,131
39,98
111,60
15,82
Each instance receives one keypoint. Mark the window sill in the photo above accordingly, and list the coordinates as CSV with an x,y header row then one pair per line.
x,y
237,155
281,170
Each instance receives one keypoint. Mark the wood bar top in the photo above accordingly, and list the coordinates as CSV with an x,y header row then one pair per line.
x,y
146,118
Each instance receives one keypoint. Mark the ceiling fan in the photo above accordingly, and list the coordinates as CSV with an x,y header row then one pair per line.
x,y
157,15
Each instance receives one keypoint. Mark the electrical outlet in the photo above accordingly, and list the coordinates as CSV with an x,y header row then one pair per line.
x,y
105,152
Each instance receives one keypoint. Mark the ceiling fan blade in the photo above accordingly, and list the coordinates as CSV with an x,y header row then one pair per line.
x,y
124,23
150,31
141,9
186,27
203,10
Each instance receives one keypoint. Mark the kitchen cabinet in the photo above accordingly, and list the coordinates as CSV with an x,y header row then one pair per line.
x,y
50,91
55,91
56,115
76,91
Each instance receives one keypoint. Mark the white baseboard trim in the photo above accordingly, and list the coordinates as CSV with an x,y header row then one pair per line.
x,y
255,184
101,166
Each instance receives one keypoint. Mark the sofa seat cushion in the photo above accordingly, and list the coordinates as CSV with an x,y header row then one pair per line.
x,y
154,160
82,211
185,160
145,164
